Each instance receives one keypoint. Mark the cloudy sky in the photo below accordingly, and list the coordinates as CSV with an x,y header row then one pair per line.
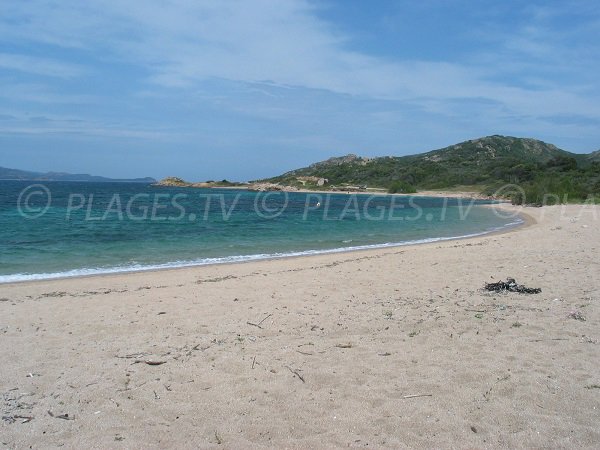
x,y
248,89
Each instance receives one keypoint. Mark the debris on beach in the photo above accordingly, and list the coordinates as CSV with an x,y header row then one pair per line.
x,y
13,419
150,362
61,416
417,395
510,285
295,373
576,315
344,345
259,323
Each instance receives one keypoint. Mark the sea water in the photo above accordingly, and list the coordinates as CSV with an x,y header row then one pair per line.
x,y
59,229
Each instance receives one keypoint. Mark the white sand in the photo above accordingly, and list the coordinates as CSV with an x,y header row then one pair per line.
x,y
364,330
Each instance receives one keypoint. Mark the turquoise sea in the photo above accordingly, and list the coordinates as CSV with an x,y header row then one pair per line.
x,y
58,229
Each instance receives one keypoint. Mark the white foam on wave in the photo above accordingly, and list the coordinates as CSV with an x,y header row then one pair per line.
x,y
20,277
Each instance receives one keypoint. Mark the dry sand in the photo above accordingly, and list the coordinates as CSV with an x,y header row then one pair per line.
x,y
397,347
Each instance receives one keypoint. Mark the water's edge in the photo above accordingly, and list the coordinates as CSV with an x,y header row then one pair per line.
x,y
85,272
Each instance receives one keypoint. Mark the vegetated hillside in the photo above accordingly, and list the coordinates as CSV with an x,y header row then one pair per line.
x,y
16,174
594,156
487,162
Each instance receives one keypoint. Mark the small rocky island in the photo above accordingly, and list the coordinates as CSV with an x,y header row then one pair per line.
x,y
179,182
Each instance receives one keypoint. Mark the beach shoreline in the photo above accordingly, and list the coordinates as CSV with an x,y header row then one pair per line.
x,y
391,348
516,211
427,193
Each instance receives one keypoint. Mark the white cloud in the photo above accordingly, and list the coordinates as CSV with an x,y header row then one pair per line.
x,y
182,43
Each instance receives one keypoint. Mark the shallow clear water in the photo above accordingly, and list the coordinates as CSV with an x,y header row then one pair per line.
x,y
57,229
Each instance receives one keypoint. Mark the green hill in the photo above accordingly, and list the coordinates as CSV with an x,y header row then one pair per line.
x,y
486,163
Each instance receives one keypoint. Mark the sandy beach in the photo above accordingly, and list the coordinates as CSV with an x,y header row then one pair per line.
x,y
398,348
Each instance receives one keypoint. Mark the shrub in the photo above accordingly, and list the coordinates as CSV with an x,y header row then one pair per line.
x,y
401,187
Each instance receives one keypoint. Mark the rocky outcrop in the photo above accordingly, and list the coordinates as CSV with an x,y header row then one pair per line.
x,y
173,181
339,160
178,182
264,187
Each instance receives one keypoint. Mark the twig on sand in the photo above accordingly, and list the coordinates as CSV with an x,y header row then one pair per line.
x,y
132,355
149,362
550,339
417,395
295,372
259,323
253,361
487,394
25,418
305,353
61,416
13,419
348,345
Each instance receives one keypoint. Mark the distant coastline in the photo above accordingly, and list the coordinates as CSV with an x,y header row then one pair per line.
x,y
7,174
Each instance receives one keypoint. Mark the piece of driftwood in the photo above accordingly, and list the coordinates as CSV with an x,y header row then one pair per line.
x,y
549,339
132,356
149,362
417,395
13,419
345,345
259,323
61,416
510,285
295,372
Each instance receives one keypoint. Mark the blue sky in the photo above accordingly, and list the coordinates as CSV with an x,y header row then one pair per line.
x,y
249,89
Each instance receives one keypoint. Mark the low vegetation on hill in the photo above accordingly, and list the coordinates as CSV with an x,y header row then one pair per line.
x,y
542,171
